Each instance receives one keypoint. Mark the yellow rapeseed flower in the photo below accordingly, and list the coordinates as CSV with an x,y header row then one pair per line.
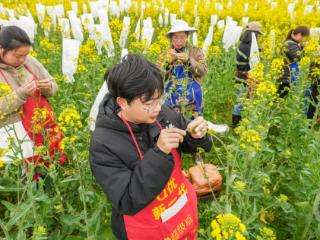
x,y
240,186
227,226
69,118
266,234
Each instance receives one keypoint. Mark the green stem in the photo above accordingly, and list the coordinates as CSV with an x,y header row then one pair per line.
x,y
82,190
5,231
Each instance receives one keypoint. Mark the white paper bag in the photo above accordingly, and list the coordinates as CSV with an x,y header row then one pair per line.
x,y
76,28
124,32
195,39
41,12
246,7
220,24
173,18
214,20
84,8
160,20
254,52
95,7
72,14
208,41
124,52
315,32
59,11
102,38
70,55
52,14
17,132
27,25
65,27
114,9
231,36
103,16
147,31
245,21
166,17
95,107
74,7
87,21
308,9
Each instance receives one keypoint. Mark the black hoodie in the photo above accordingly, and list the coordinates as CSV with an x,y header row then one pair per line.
x,y
129,183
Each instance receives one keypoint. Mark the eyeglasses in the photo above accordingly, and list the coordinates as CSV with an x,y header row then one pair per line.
x,y
180,38
150,107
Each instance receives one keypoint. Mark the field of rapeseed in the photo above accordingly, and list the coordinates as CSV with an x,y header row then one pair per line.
x,y
270,163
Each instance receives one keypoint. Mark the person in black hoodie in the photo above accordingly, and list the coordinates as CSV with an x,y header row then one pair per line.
x,y
312,93
135,155
243,67
292,51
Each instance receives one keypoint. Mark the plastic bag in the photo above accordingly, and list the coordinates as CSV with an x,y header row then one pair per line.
x,y
70,55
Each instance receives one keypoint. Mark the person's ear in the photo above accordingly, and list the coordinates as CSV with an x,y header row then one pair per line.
x,y
122,103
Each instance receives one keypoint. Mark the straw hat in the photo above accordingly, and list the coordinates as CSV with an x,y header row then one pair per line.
x,y
255,26
180,26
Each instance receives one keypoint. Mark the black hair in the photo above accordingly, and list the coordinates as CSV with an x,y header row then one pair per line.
x,y
13,37
305,31
134,77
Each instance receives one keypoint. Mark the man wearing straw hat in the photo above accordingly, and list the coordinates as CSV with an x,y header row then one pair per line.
x,y
183,67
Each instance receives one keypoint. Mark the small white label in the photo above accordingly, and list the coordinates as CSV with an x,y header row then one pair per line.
x,y
175,208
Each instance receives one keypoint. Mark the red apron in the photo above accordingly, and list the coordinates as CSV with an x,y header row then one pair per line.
x,y
172,215
35,128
